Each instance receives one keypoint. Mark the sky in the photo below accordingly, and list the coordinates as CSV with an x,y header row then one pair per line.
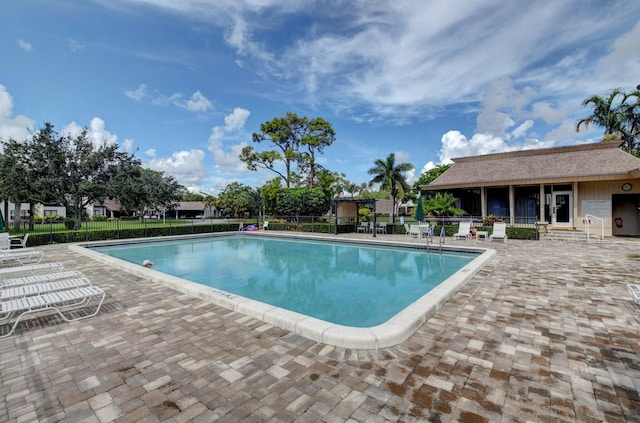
x,y
184,84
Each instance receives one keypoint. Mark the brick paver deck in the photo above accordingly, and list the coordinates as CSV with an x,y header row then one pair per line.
x,y
545,333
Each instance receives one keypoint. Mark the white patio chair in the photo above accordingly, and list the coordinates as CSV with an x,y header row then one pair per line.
x,y
19,242
362,227
45,277
265,225
414,231
61,302
31,269
463,231
499,231
21,291
24,256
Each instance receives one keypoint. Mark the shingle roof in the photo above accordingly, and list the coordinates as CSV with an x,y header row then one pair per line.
x,y
587,162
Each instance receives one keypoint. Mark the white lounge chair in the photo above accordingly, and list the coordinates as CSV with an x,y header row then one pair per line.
x,y
265,225
46,277
13,292
634,290
499,231
424,230
19,242
24,256
60,301
463,231
30,269
414,231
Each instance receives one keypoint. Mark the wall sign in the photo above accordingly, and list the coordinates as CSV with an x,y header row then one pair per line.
x,y
598,208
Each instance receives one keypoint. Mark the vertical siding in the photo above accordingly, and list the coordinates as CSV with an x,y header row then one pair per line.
x,y
601,191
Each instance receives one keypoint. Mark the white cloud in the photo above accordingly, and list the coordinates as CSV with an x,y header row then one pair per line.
x,y
138,94
197,103
455,144
227,157
25,45
18,127
622,62
97,132
186,166
75,46
236,120
521,130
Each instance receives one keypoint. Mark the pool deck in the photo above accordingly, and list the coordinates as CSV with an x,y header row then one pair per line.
x,y
545,332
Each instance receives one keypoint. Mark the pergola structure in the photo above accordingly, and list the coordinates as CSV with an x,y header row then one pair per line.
x,y
340,201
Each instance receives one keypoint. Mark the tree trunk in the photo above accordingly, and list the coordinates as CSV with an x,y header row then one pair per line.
x,y
17,209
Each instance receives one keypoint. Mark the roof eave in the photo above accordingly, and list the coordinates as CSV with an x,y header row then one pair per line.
x,y
555,180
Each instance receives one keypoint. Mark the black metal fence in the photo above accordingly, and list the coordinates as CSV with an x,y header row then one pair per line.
x,y
70,230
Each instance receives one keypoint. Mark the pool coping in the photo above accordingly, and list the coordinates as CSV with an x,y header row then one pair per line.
x,y
397,329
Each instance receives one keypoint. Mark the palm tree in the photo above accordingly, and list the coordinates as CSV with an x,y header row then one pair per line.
x,y
443,204
604,114
631,127
391,177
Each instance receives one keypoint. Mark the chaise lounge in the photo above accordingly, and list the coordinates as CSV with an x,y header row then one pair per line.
x,y
61,302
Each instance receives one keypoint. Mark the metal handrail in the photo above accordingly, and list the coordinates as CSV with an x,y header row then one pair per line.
x,y
587,223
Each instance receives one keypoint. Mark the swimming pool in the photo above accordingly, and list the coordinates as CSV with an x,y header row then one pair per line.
x,y
337,292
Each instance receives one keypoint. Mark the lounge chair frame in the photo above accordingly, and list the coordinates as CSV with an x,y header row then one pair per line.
x,y
61,302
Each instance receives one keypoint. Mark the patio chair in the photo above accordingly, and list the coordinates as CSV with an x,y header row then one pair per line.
x,y
634,290
463,231
5,242
30,269
381,228
24,256
61,302
265,225
19,242
362,227
22,291
414,231
499,231
46,277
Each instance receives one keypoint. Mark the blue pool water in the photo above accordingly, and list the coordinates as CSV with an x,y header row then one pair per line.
x,y
348,284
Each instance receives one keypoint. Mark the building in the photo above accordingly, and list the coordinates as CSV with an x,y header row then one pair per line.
x,y
564,187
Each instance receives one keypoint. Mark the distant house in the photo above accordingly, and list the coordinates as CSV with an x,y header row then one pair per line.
x,y
40,210
108,208
195,210
564,187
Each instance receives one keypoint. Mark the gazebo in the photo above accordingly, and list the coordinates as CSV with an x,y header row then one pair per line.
x,y
349,203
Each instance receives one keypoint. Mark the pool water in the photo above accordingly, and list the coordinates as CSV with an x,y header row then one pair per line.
x,y
348,284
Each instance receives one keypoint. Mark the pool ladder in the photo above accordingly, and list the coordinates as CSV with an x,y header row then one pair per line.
x,y
440,238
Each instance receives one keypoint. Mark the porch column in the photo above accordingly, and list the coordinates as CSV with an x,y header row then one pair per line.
x,y
512,202
542,203
483,202
575,205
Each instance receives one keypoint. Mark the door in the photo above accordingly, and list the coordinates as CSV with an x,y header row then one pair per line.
x,y
626,215
562,209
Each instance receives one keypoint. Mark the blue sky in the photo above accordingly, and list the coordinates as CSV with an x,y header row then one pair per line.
x,y
184,84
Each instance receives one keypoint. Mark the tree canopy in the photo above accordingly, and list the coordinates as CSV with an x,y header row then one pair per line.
x,y
297,141
74,172
619,114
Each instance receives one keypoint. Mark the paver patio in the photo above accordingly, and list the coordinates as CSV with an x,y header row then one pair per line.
x,y
546,332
